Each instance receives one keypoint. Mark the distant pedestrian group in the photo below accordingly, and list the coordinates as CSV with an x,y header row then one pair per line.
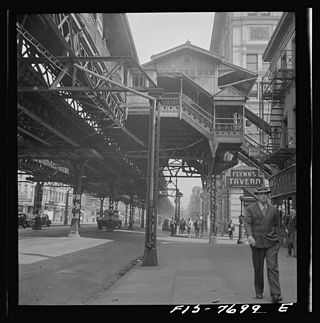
x,y
231,229
291,230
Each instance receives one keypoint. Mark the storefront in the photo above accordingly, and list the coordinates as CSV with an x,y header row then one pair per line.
x,y
283,192
283,189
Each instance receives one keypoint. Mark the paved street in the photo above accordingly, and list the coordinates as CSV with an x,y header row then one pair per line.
x,y
104,268
57,270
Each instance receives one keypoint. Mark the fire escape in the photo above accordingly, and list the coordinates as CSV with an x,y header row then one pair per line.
x,y
280,145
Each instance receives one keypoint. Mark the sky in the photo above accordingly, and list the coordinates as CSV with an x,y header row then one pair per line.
x,y
156,32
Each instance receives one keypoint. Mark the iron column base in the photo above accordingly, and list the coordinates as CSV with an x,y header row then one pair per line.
x,y
150,257
241,239
74,232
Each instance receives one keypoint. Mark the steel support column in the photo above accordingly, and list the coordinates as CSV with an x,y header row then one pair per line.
x,y
76,210
204,181
142,215
213,209
126,215
150,251
66,209
131,214
38,192
101,206
111,208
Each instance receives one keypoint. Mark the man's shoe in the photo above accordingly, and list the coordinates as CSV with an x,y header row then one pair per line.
x,y
259,296
276,298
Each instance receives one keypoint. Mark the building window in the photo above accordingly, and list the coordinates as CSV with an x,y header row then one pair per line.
x,y
252,13
265,13
254,92
252,62
138,80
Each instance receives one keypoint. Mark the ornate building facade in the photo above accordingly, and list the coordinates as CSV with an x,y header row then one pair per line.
x,y
242,37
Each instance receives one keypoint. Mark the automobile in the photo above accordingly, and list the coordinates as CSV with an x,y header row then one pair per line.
x,y
44,220
29,222
22,220
165,225
109,216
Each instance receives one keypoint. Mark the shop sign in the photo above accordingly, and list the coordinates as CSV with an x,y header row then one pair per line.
x,y
244,178
283,182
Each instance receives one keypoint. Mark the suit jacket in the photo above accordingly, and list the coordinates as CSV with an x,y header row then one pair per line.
x,y
264,228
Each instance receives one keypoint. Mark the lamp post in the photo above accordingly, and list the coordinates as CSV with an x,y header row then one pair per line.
x,y
241,225
66,207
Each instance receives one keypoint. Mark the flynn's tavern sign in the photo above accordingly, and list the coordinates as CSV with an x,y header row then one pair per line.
x,y
244,178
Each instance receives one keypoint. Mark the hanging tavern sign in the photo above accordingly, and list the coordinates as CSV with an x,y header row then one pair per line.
x,y
283,182
244,178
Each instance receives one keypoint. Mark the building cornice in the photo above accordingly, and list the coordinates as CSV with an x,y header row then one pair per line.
x,y
285,21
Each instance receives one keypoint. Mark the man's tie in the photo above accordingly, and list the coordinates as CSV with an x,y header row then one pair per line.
x,y
264,209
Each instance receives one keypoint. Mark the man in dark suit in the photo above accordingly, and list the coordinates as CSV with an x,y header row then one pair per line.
x,y
262,226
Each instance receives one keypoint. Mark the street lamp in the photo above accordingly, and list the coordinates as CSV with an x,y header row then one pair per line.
x,y
241,225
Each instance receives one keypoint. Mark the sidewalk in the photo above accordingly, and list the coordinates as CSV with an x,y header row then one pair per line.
x,y
192,271
189,271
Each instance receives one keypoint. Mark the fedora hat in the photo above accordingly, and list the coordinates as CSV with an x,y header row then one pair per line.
x,y
261,190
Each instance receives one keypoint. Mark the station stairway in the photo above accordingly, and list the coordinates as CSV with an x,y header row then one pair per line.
x,y
201,120
257,121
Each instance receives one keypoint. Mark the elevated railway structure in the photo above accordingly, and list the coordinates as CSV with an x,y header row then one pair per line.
x,y
91,117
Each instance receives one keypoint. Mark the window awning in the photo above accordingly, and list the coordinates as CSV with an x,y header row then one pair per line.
x,y
236,76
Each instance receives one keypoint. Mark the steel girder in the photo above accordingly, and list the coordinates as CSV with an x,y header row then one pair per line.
x,y
40,122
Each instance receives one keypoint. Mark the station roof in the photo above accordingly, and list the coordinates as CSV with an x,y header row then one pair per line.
x,y
120,39
229,74
186,45
236,76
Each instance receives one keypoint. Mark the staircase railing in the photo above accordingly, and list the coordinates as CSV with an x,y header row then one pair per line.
x,y
193,110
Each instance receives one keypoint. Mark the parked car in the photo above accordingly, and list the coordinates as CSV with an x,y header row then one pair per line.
x,y
22,220
44,220
29,222
165,225
110,218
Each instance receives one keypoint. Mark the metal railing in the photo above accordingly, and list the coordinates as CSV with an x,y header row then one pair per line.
x,y
229,124
276,75
196,112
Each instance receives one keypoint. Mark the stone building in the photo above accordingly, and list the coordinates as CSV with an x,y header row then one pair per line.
x,y
242,37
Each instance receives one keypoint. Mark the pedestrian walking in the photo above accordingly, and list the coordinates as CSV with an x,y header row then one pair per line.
x,y
231,229
291,230
189,226
197,228
172,226
182,226
262,226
